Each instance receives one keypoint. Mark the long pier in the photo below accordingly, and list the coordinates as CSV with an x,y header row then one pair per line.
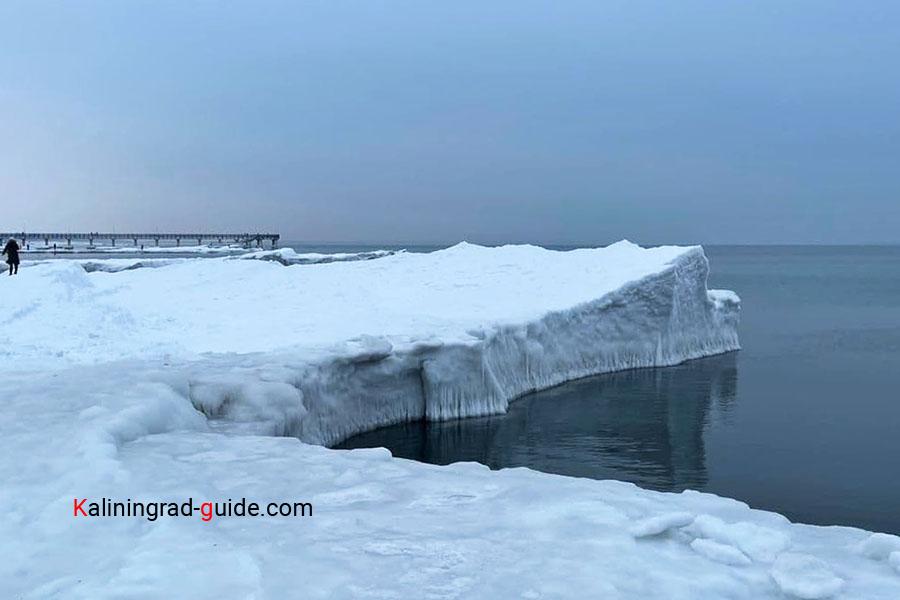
x,y
244,239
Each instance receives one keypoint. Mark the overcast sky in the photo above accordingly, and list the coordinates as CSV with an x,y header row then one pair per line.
x,y
548,122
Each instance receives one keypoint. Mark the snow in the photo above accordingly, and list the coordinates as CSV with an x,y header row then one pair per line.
x,y
805,576
722,553
759,543
207,378
879,546
660,524
894,560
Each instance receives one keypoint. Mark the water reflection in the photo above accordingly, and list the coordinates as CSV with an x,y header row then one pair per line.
x,y
644,426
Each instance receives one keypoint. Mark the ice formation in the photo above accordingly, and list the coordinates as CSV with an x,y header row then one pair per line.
x,y
379,338
174,382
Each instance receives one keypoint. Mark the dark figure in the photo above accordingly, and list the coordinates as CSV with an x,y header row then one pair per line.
x,y
11,250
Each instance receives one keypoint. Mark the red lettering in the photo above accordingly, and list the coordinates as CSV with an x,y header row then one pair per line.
x,y
78,506
206,511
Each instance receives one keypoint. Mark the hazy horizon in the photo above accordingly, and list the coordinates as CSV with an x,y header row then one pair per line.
x,y
374,243
414,123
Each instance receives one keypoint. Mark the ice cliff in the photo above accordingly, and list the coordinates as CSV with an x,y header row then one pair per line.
x,y
362,341
662,318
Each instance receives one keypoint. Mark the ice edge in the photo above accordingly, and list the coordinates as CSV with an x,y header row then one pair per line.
x,y
660,320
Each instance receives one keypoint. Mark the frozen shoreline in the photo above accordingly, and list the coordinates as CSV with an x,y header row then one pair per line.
x,y
110,377
456,333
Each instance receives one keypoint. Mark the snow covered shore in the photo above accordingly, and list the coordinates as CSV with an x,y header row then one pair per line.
x,y
173,382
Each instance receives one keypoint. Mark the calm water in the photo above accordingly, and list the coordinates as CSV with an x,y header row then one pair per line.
x,y
805,420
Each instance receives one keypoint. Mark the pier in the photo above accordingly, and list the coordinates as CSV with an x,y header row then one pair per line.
x,y
246,240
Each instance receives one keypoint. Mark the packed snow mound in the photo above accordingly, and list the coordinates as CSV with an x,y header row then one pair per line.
x,y
455,333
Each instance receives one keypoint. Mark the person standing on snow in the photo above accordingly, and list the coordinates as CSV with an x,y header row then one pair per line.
x,y
11,250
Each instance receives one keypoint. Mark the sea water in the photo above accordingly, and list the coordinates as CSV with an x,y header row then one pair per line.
x,y
805,420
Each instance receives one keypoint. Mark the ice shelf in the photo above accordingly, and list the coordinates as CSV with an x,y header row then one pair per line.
x,y
368,340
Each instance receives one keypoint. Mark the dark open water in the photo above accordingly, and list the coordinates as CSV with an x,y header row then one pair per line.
x,y
805,420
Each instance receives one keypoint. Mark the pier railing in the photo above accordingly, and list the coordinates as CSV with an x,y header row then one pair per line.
x,y
244,239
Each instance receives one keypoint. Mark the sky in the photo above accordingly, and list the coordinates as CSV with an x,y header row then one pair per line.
x,y
577,122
